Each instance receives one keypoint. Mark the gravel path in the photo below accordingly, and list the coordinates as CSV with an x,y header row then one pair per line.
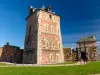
x,y
20,65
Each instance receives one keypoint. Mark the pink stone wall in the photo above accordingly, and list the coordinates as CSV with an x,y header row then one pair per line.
x,y
46,56
32,21
88,44
1,50
50,22
50,37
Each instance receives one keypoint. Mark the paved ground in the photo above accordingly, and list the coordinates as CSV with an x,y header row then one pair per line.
x,y
18,65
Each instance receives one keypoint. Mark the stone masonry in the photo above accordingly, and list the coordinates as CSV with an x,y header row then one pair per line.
x,y
43,42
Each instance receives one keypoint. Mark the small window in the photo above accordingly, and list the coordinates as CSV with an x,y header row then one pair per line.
x,y
50,16
30,30
28,39
57,56
44,42
51,57
59,45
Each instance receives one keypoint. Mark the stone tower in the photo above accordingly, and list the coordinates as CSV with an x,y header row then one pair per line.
x,y
43,42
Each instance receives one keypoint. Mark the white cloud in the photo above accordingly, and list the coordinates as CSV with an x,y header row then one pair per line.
x,y
98,43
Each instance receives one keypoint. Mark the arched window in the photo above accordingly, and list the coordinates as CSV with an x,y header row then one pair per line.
x,y
57,56
51,57
50,16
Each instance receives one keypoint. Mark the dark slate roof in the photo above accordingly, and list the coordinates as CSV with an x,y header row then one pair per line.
x,y
42,9
88,39
11,46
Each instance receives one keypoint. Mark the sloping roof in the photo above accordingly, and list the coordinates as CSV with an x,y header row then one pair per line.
x,y
88,39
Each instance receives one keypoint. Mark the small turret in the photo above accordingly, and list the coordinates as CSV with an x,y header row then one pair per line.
x,y
31,10
43,8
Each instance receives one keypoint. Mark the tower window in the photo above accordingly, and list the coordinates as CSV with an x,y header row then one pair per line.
x,y
51,57
57,56
30,30
46,28
50,16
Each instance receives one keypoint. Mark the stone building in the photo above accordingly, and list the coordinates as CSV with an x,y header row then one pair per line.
x,y
67,54
11,54
43,42
87,46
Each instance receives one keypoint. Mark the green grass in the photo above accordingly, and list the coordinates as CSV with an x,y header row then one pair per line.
x,y
91,68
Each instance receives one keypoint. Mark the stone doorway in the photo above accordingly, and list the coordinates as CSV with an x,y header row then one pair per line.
x,y
83,56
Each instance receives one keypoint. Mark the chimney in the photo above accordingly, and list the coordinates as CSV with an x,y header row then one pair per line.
x,y
7,43
31,10
48,9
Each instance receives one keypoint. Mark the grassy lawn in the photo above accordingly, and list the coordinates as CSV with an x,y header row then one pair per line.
x,y
91,68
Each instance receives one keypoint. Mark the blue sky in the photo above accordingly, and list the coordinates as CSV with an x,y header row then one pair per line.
x,y
78,18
